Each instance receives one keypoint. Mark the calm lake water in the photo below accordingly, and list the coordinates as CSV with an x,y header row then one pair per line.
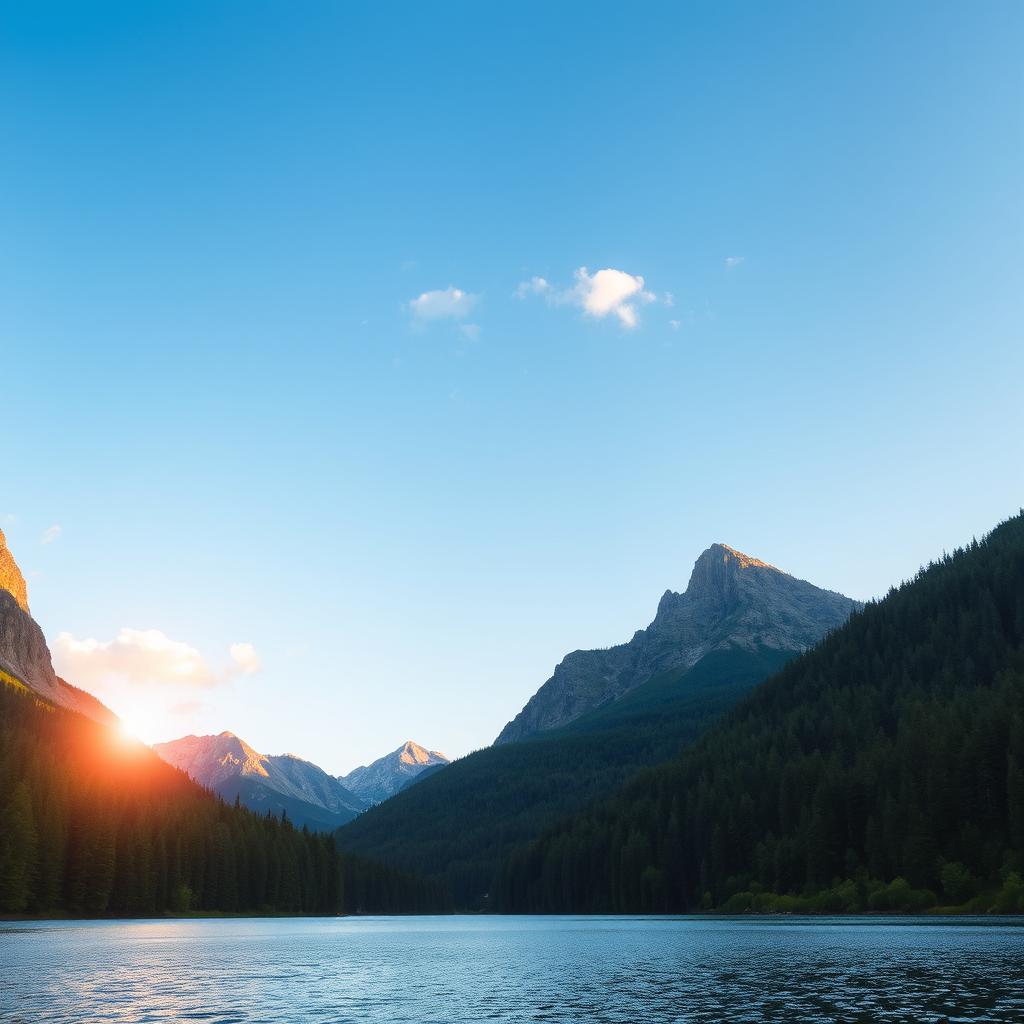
x,y
472,969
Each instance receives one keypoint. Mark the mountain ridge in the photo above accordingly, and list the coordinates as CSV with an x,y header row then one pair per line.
x,y
275,782
732,600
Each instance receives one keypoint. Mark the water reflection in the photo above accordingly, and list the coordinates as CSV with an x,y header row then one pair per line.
x,y
455,970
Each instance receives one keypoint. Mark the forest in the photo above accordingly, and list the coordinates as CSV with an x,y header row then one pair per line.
x,y
93,824
459,826
883,770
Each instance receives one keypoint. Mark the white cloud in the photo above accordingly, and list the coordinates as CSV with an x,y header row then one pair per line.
x,y
470,331
535,286
733,261
674,324
611,292
50,534
608,292
451,303
145,658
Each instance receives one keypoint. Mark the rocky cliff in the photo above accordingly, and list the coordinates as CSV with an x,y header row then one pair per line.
x,y
731,601
23,650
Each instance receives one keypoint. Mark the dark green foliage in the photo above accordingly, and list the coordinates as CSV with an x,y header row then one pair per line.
x,y
882,770
459,825
92,825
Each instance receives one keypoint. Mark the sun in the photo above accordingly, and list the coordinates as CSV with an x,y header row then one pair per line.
x,y
128,730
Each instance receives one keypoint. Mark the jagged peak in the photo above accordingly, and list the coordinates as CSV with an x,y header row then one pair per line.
x,y
717,568
742,561
410,752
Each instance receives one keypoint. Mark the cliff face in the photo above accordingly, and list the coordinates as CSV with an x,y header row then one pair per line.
x,y
731,601
23,650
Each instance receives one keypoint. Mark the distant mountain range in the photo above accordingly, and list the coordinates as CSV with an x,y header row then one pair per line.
x,y
602,716
732,602
393,772
285,783
262,782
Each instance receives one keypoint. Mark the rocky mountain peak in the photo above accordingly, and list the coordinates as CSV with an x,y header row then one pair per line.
x,y
11,578
228,765
388,774
412,753
732,601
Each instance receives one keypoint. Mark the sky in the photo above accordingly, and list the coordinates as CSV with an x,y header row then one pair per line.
x,y
360,361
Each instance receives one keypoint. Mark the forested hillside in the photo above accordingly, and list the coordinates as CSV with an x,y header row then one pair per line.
x,y
93,824
882,770
460,825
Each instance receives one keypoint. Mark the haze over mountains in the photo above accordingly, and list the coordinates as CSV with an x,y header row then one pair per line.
x,y
732,601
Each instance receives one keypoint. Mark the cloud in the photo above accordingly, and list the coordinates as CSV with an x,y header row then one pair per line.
x,y
245,658
608,292
611,292
50,534
668,299
451,303
146,658
734,261
535,286
470,331
674,324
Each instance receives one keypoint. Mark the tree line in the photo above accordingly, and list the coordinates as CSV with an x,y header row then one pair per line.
x,y
93,825
882,770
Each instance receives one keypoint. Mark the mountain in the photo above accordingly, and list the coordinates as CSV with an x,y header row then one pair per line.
x,y
460,825
92,824
882,770
24,655
732,602
375,782
227,765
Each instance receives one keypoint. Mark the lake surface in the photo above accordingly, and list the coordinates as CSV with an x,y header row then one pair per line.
x,y
452,970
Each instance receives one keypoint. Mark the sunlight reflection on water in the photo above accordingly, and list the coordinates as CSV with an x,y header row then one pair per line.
x,y
456,970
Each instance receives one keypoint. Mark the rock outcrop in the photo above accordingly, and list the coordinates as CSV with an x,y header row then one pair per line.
x,y
23,650
11,579
393,772
731,601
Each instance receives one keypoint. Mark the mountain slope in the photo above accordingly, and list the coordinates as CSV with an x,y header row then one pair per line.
x,y
460,825
375,782
229,766
732,601
23,650
882,770
94,825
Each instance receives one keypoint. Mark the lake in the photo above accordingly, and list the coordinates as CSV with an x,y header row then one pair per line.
x,y
472,969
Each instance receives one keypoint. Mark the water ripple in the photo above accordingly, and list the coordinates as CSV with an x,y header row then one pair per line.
x,y
458,970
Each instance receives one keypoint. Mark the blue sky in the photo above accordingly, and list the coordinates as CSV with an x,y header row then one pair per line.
x,y
269,368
